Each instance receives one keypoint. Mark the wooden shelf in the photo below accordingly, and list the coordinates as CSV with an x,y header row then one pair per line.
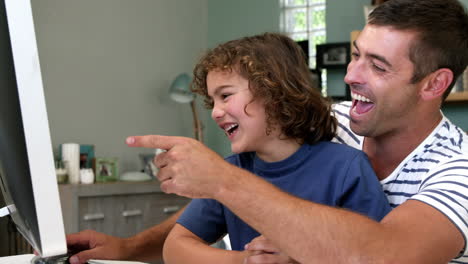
x,y
457,97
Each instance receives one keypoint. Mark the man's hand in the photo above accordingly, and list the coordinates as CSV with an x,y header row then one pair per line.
x,y
94,245
187,168
263,251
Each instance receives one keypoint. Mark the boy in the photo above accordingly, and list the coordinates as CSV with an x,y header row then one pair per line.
x,y
258,100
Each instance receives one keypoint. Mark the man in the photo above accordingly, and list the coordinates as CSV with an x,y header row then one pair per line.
x,y
404,64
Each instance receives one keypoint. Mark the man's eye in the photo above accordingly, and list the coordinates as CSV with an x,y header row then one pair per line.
x,y
378,68
355,55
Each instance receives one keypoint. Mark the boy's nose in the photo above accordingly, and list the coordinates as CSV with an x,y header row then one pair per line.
x,y
217,112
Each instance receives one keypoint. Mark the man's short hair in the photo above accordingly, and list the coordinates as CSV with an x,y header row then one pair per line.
x,y
442,33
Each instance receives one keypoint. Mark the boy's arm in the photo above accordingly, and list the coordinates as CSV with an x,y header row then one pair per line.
x,y
182,246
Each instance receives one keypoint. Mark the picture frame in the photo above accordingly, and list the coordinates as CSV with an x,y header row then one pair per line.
x,y
86,156
333,55
105,169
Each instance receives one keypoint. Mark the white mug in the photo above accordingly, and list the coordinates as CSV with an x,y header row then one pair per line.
x,y
86,176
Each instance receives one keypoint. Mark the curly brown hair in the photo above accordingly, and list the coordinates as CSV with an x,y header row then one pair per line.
x,y
277,72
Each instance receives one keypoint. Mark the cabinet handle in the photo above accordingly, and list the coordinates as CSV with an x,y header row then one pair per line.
x,y
91,217
128,213
171,209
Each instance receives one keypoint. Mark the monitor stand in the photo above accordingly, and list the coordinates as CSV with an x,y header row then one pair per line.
x,y
62,259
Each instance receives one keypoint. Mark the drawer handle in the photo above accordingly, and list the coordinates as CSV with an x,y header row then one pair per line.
x,y
129,213
91,217
171,209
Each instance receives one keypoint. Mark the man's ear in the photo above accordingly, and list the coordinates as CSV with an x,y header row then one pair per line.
x,y
436,83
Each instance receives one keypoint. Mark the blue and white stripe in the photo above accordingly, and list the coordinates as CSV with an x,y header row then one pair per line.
x,y
435,173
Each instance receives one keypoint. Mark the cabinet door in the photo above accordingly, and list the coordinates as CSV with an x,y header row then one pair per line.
x,y
97,213
160,206
126,215
129,212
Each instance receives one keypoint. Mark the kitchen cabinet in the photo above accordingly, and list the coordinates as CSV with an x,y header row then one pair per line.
x,y
119,209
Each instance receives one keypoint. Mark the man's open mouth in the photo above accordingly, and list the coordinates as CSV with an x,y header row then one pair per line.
x,y
361,104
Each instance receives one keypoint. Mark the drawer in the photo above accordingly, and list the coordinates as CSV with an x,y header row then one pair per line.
x,y
96,213
126,215
161,207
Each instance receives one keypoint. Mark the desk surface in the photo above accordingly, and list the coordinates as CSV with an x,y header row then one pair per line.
x,y
18,259
26,259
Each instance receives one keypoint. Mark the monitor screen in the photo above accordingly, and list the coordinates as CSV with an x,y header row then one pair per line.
x,y
27,174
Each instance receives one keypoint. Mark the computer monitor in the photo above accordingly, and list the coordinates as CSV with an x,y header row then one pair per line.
x,y
27,174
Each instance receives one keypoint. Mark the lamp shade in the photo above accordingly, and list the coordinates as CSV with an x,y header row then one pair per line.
x,y
181,93
180,89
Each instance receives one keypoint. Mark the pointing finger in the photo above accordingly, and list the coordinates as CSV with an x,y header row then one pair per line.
x,y
154,141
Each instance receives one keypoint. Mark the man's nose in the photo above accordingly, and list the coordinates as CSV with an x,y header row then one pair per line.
x,y
354,73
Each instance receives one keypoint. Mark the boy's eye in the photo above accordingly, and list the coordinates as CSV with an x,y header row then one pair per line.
x,y
224,96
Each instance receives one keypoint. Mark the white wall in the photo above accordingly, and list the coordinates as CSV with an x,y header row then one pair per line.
x,y
107,66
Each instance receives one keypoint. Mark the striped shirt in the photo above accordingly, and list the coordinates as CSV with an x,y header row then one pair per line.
x,y
435,173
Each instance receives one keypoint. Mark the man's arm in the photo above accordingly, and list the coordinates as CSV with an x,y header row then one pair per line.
x,y
412,233
306,231
144,246
182,246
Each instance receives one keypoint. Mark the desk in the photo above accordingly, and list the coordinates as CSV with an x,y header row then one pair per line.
x,y
18,259
26,259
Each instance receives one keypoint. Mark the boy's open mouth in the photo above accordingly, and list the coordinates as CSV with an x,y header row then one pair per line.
x,y
230,129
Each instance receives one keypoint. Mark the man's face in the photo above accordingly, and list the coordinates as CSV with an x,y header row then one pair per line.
x,y
384,100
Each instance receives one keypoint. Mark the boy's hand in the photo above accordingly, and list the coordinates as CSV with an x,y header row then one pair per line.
x,y
263,251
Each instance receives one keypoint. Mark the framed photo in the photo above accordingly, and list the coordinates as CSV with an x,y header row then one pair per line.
x,y
333,55
86,156
105,169
148,165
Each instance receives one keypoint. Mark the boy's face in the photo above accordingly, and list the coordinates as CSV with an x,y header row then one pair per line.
x,y
243,120
379,74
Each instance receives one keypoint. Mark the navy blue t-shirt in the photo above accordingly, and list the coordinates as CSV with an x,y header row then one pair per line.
x,y
326,173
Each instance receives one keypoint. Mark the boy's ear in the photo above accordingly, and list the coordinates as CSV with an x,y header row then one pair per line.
x,y
436,83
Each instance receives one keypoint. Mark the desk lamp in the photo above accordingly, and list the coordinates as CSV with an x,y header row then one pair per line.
x,y
181,93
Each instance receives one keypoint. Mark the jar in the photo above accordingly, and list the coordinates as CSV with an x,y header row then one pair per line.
x,y
61,171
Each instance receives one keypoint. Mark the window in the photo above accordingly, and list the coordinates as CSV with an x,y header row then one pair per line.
x,y
305,20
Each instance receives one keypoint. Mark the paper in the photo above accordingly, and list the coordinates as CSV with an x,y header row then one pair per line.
x,y
101,261
26,259
18,259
